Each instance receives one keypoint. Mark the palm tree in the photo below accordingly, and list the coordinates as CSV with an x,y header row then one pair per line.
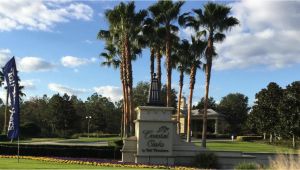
x,y
197,48
151,37
113,59
214,20
164,12
182,61
124,30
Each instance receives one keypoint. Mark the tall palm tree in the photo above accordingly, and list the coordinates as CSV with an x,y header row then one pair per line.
x,y
113,59
214,20
182,61
164,13
197,49
150,34
125,26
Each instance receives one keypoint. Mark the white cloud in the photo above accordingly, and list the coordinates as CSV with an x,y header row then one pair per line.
x,y
72,62
62,89
30,64
28,84
264,38
88,41
4,56
112,92
188,32
3,95
40,15
26,64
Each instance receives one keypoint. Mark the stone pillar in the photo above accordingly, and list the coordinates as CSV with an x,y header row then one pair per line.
x,y
216,126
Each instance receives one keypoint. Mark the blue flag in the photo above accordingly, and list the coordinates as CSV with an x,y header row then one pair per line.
x,y
10,75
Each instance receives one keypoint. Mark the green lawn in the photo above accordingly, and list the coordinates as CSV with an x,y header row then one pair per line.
x,y
212,145
9,163
247,147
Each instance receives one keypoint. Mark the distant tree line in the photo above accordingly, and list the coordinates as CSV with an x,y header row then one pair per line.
x,y
64,115
276,112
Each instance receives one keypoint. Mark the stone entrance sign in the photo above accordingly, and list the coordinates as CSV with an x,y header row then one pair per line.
x,y
156,140
154,132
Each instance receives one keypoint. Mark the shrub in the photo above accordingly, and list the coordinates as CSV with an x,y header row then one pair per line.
x,y
30,129
98,135
3,138
246,165
206,160
213,136
248,138
285,143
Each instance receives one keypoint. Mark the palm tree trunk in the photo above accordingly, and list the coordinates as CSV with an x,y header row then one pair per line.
x,y
169,69
123,124
125,93
122,130
5,113
179,100
207,82
151,62
192,83
129,80
158,67
126,120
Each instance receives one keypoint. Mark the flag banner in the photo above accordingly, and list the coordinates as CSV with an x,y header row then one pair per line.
x,y
10,75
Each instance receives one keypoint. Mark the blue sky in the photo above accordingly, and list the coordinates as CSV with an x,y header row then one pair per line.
x,y
57,51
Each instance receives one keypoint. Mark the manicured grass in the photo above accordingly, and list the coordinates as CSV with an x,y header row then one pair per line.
x,y
211,145
247,147
9,163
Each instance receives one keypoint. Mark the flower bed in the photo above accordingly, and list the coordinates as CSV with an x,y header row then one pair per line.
x,y
97,162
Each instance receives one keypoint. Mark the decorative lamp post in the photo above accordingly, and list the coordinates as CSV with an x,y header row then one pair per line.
x,y
89,119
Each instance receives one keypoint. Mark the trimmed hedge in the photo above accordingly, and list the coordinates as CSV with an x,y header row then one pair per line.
x,y
285,143
104,152
3,138
214,136
95,135
206,160
248,138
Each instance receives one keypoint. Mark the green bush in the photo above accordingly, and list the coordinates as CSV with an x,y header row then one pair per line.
x,y
248,138
213,136
94,135
285,143
246,165
30,129
3,138
206,160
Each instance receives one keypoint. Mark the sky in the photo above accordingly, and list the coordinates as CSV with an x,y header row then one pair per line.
x,y
57,51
